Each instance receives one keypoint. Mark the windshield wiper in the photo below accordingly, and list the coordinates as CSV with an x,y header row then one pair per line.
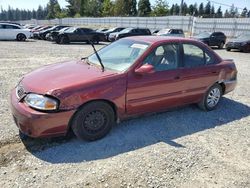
x,y
96,53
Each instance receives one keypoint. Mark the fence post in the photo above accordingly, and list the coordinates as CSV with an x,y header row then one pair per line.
x,y
235,27
193,26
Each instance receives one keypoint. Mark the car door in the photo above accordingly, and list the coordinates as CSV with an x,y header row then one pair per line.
x,y
87,34
215,39
11,31
158,90
199,71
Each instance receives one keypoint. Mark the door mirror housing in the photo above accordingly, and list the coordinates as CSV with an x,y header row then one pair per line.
x,y
145,69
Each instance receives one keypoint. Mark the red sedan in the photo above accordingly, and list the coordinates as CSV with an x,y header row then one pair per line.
x,y
127,78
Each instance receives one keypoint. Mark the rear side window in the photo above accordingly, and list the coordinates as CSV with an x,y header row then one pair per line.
x,y
11,27
194,56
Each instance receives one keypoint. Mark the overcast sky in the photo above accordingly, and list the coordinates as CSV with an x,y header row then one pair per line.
x,y
30,4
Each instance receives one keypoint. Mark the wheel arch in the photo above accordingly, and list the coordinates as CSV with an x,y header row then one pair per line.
x,y
223,87
21,34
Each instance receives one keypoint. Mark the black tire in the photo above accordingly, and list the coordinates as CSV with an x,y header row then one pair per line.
x,y
246,49
21,37
221,45
204,104
93,121
95,40
23,136
64,40
228,49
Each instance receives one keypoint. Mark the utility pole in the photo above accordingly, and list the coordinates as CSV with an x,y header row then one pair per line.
x,y
180,13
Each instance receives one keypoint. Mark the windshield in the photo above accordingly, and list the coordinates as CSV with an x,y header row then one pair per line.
x,y
64,29
71,29
206,34
126,30
120,55
110,30
163,31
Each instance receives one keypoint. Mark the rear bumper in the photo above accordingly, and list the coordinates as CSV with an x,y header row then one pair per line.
x,y
39,124
230,86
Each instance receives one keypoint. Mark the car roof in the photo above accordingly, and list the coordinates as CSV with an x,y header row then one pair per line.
x,y
156,39
3,23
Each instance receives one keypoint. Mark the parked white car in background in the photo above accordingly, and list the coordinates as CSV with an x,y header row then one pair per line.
x,y
171,33
10,31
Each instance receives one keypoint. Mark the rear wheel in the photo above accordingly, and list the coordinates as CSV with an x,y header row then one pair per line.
x,y
96,40
63,40
211,98
20,37
93,121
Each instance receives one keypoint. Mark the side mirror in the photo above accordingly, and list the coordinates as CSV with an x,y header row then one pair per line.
x,y
145,69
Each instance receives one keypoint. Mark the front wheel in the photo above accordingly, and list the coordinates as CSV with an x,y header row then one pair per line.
x,y
20,37
211,98
221,45
246,49
93,121
228,49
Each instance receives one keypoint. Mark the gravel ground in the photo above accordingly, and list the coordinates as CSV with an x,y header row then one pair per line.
x,y
184,147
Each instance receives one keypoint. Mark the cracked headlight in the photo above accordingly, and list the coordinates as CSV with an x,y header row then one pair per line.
x,y
41,102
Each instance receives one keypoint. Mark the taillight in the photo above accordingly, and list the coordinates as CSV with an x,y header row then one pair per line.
x,y
233,75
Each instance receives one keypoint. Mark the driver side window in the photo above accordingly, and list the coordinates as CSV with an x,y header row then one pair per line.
x,y
164,57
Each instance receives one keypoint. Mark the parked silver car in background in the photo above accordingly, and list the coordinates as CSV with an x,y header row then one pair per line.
x,y
9,31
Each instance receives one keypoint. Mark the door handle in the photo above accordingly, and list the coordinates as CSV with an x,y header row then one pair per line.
x,y
214,72
177,77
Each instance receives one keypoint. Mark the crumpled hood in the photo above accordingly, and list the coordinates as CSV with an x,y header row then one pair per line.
x,y
57,77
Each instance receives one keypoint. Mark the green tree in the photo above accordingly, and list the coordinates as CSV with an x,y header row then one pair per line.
x,y
244,12
73,7
121,8
53,9
219,13
161,8
185,9
144,8
212,12
201,10
83,5
93,8
108,8
227,14
39,12
191,9
132,7
207,11
195,10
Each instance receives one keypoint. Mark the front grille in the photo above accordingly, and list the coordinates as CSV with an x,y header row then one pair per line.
x,y
20,92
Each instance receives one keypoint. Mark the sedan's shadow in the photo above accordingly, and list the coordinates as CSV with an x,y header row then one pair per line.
x,y
138,133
